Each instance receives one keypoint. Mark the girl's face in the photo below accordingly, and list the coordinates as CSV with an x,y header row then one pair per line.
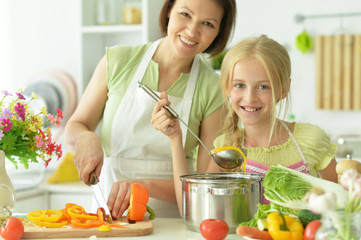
x,y
251,93
193,25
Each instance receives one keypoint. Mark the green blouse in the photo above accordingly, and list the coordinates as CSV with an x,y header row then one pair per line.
x,y
122,63
315,144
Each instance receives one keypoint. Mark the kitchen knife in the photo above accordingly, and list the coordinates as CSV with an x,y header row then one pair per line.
x,y
99,197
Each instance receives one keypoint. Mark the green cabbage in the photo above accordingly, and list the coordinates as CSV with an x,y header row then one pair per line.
x,y
288,187
264,210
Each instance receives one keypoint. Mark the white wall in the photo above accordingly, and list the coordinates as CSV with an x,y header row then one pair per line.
x,y
43,34
36,35
276,19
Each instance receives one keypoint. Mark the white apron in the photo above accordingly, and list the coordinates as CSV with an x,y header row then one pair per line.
x,y
259,168
137,149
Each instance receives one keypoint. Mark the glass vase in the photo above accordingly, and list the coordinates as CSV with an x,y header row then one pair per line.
x,y
7,193
339,225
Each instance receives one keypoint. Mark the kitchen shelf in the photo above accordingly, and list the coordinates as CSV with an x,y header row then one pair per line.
x,y
93,38
112,29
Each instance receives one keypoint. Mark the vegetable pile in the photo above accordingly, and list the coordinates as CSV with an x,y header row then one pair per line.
x,y
288,187
288,215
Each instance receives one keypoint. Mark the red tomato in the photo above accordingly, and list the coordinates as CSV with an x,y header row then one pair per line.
x,y
13,229
214,229
311,229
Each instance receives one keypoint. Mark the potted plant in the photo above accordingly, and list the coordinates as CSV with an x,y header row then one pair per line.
x,y
25,137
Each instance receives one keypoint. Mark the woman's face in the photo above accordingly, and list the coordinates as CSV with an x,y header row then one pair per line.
x,y
193,25
251,93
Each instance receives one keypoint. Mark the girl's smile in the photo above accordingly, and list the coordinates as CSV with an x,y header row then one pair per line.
x,y
251,93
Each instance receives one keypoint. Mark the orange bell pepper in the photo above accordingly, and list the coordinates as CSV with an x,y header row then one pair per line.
x,y
89,223
137,207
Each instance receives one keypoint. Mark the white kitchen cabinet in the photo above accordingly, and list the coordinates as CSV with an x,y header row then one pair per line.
x,y
31,200
57,200
95,38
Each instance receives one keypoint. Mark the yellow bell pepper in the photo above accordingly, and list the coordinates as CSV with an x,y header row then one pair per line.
x,y
283,227
51,224
46,215
78,212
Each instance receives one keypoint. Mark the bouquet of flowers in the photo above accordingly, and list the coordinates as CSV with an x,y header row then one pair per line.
x,y
343,223
25,136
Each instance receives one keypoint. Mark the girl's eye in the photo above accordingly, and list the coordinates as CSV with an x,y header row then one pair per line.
x,y
239,85
263,87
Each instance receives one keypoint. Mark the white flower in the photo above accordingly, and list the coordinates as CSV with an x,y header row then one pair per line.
x,y
322,203
348,178
357,187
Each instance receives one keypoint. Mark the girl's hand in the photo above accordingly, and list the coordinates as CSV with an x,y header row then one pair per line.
x,y
162,120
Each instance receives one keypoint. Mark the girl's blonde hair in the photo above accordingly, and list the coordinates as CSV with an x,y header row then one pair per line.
x,y
276,62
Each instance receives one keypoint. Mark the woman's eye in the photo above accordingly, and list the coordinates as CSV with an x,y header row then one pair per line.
x,y
208,24
184,14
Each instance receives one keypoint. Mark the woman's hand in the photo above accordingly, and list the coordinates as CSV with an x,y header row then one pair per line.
x,y
119,198
89,156
162,120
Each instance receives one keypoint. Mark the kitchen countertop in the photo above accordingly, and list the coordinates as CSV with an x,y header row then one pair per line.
x,y
165,229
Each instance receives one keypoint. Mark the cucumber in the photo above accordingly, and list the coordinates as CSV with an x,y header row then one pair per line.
x,y
306,216
262,224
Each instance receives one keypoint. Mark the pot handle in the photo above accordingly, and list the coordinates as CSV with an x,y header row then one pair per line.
x,y
226,191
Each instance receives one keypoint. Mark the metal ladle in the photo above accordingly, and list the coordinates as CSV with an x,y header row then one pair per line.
x,y
227,159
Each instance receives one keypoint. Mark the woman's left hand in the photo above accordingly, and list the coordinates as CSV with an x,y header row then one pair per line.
x,y
119,198
162,120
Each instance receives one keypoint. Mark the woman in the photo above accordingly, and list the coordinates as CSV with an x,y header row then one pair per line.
x,y
132,150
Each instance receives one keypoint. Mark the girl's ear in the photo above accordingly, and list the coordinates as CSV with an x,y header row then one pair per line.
x,y
286,90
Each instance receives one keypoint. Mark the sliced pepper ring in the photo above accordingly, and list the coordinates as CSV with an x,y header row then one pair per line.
x,y
46,215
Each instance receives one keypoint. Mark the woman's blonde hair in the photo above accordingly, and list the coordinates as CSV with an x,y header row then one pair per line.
x,y
276,62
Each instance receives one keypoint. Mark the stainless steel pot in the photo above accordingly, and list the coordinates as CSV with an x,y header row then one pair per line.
x,y
232,197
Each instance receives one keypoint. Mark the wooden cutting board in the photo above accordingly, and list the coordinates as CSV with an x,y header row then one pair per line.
x,y
139,228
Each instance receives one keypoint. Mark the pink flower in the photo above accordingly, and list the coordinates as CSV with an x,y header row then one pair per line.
x,y
6,93
59,113
20,96
7,113
51,118
20,110
50,148
1,134
57,122
7,125
39,141
47,162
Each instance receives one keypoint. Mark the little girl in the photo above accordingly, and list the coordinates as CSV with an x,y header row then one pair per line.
x,y
255,79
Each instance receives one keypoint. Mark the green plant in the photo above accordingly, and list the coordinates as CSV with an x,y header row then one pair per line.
x,y
217,60
24,136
